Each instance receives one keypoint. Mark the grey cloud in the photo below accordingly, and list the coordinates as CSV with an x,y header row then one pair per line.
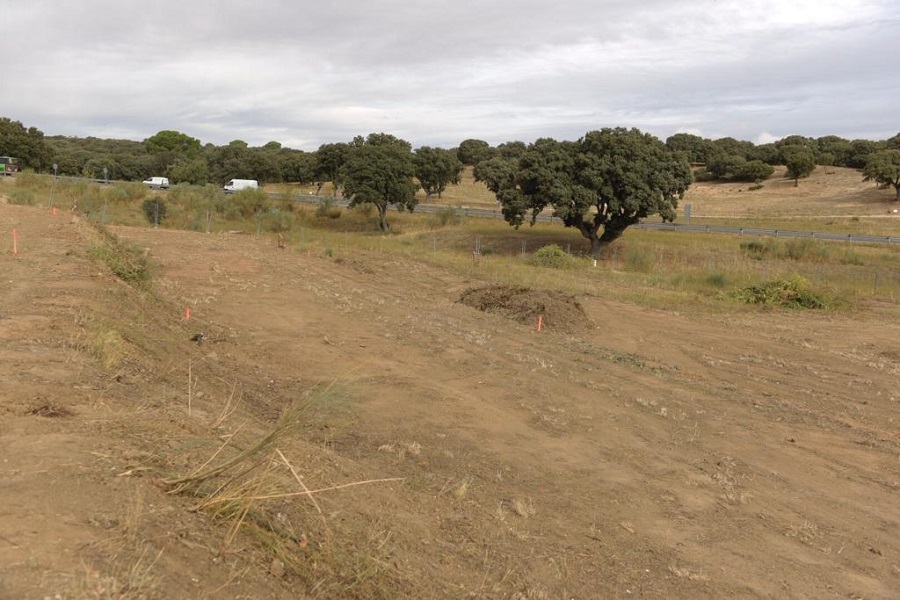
x,y
436,72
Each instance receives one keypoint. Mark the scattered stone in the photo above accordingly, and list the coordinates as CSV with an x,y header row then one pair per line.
x,y
276,569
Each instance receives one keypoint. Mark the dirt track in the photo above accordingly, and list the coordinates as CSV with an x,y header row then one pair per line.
x,y
657,455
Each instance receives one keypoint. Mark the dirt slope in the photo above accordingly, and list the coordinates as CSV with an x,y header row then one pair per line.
x,y
655,455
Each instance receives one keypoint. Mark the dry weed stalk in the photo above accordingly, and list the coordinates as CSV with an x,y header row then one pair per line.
x,y
228,409
289,421
234,488
190,386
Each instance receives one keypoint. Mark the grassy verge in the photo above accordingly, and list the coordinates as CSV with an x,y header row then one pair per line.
x,y
680,268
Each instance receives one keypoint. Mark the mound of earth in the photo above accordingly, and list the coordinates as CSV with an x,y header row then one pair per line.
x,y
559,311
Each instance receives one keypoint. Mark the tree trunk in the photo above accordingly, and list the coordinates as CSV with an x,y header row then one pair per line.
x,y
897,187
610,234
382,215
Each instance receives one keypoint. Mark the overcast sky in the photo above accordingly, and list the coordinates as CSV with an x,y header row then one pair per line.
x,y
435,72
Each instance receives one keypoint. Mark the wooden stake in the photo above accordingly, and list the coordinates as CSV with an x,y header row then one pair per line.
x,y
189,387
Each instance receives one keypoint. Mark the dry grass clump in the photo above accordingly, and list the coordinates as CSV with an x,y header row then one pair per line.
x,y
136,581
108,346
523,507
253,490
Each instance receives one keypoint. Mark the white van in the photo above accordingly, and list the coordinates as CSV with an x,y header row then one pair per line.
x,y
157,183
236,185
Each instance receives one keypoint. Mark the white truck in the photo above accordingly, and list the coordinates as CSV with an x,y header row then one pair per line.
x,y
157,183
236,185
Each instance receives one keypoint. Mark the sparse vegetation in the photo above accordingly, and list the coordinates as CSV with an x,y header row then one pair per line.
x,y
23,196
794,292
327,209
154,210
447,216
126,262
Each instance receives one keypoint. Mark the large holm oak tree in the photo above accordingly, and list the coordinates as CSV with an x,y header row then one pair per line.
x,y
436,168
379,170
883,167
609,179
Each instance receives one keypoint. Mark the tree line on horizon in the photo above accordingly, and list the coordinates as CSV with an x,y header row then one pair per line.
x,y
607,180
183,158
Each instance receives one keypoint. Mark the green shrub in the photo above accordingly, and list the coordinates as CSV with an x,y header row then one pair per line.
x,y
126,192
806,249
245,204
754,170
552,257
184,194
717,280
445,217
155,210
788,293
756,249
327,209
277,220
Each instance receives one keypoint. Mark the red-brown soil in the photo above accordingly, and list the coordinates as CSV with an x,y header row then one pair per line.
x,y
645,454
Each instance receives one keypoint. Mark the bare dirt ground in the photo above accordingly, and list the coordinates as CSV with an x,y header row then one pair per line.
x,y
645,454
